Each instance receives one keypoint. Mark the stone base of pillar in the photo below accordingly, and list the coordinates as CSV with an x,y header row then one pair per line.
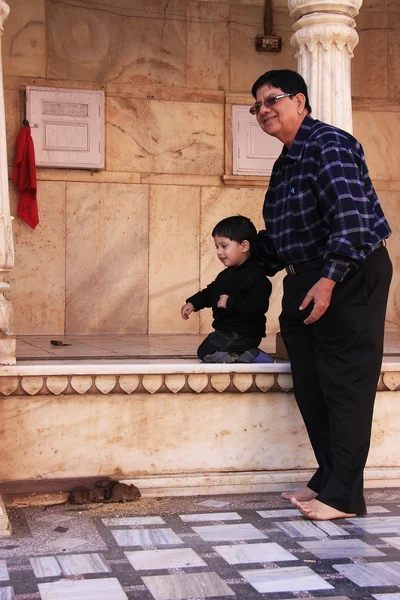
x,y
8,348
5,527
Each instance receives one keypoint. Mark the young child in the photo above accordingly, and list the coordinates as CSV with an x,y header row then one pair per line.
x,y
239,297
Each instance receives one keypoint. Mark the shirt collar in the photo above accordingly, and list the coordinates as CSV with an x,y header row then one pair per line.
x,y
296,149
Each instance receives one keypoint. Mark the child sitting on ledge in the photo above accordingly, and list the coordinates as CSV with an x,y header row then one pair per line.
x,y
239,297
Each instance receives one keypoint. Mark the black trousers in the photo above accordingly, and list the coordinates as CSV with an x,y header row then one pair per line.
x,y
336,364
226,341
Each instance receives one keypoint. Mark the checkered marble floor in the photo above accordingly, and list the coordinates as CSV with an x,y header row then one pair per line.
x,y
248,546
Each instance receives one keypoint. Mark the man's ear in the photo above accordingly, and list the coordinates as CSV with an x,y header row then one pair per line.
x,y
300,100
245,246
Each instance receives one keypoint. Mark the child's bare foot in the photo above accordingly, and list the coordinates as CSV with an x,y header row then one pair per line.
x,y
318,511
301,495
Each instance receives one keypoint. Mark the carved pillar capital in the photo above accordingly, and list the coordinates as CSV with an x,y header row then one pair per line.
x,y
324,41
312,30
4,12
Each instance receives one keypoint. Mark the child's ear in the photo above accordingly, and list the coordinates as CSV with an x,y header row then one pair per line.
x,y
245,246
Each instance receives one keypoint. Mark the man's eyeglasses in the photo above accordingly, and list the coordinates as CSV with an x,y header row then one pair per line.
x,y
268,102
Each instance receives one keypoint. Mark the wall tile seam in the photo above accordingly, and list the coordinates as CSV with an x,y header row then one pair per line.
x,y
153,383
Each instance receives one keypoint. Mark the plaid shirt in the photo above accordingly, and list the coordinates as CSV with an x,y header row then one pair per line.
x,y
321,204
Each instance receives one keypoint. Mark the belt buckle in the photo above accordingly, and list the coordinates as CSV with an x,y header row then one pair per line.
x,y
290,270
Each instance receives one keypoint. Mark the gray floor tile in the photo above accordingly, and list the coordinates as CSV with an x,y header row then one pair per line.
x,y
146,537
372,574
213,503
87,589
221,533
253,553
377,509
164,559
287,579
192,585
67,543
353,548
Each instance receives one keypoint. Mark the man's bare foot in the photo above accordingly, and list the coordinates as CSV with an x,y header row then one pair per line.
x,y
318,511
301,495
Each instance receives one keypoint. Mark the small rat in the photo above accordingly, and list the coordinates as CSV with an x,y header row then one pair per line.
x,y
121,492
104,488
79,495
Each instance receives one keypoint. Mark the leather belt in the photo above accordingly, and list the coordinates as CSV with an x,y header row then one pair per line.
x,y
316,263
309,265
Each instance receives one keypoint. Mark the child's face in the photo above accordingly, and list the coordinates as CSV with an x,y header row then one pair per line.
x,y
231,253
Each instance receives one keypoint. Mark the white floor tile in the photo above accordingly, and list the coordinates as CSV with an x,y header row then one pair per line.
x,y
88,589
352,548
393,596
7,593
372,574
134,521
393,541
192,585
164,559
79,564
227,533
287,579
377,509
45,566
377,524
4,576
287,512
146,537
253,553
199,517
318,529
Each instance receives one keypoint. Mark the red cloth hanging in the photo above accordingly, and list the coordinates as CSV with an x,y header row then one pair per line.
x,y
25,177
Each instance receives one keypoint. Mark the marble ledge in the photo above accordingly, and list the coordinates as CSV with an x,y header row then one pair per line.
x,y
141,377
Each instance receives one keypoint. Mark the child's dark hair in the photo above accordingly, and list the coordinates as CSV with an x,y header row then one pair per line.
x,y
237,229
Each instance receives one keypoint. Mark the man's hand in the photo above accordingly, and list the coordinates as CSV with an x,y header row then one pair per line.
x,y
186,310
320,294
223,299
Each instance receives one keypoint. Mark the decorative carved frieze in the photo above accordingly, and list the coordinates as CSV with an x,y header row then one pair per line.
x,y
153,383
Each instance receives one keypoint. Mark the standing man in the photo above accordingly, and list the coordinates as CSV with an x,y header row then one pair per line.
x,y
325,226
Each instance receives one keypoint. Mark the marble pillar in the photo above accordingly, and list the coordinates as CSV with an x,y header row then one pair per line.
x,y
7,338
324,41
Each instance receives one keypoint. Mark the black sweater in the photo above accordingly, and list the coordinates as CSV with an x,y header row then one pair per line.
x,y
248,290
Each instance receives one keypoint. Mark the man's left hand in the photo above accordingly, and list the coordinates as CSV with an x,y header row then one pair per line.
x,y
320,294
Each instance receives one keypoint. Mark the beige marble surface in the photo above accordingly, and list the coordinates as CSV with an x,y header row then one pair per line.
x,y
12,107
173,256
246,65
38,278
390,205
118,41
207,45
369,70
24,39
164,137
106,258
375,131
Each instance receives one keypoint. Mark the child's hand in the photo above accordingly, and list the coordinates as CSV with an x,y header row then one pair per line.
x,y
186,310
223,299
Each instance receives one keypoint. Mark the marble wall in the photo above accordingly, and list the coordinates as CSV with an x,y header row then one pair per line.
x,y
119,251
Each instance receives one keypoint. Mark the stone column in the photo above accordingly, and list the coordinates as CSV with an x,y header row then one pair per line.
x,y
324,42
7,338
